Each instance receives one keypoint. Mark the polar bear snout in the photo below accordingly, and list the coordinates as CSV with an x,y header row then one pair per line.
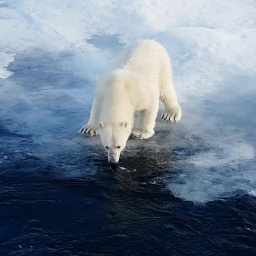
x,y
112,161
113,157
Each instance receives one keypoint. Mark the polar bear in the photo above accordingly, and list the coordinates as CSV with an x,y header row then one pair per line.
x,y
139,78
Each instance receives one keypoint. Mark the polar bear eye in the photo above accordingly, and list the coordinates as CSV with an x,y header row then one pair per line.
x,y
107,147
118,147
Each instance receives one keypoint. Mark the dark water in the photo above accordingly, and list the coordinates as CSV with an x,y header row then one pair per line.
x,y
58,195
116,214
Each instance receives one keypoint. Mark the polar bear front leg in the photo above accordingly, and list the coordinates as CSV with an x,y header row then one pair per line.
x,y
91,128
147,119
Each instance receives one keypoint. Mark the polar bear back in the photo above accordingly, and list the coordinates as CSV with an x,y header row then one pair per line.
x,y
135,82
145,57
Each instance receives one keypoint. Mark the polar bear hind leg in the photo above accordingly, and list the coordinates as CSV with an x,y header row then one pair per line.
x,y
168,95
172,110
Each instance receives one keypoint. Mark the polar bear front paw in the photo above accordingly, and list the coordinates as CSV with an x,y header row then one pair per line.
x,y
89,130
172,115
139,134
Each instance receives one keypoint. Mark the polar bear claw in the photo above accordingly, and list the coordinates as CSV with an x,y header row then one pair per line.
x,y
89,130
139,134
173,115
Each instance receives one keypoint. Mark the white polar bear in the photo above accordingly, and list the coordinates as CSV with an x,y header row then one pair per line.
x,y
139,79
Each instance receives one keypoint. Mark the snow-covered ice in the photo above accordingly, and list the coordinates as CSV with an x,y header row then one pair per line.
x,y
52,52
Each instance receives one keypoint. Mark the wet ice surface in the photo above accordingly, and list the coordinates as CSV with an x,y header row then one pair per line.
x,y
60,197
189,190
216,156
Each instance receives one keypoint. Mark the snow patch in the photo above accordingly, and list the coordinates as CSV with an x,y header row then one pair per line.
x,y
5,60
234,152
252,193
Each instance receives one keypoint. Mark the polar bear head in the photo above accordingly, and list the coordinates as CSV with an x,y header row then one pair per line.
x,y
114,138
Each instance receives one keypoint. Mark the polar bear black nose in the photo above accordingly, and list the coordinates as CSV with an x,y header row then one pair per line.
x,y
113,165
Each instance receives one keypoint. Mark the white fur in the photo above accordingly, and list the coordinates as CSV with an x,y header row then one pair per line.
x,y
137,81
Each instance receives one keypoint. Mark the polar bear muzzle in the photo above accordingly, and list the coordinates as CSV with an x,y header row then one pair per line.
x,y
114,137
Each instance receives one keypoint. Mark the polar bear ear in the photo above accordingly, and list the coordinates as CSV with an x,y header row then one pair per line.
x,y
124,124
101,125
